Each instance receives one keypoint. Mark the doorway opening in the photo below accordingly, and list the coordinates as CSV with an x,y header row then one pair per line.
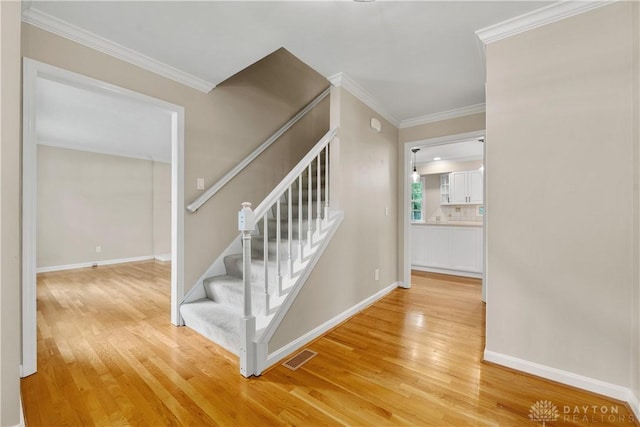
x,y
41,80
444,207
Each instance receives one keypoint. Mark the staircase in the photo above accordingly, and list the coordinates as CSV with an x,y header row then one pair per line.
x,y
241,309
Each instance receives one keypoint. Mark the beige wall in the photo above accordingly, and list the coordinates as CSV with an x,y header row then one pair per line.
x,y
445,166
161,208
366,239
559,102
431,194
89,199
10,99
635,301
221,128
471,123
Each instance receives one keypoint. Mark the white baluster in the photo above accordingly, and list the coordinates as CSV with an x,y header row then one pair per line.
x,y
265,251
318,197
289,234
278,274
326,184
310,206
300,217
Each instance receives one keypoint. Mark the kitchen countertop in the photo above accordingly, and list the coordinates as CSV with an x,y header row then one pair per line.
x,y
451,223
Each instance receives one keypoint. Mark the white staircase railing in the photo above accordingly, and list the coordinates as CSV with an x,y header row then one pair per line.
x,y
284,192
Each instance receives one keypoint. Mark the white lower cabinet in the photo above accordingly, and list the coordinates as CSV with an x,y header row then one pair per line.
x,y
455,248
439,251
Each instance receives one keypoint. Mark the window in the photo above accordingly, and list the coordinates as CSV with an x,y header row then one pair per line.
x,y
416,201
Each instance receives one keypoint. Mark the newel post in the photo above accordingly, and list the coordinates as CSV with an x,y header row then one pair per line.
x,y
246,224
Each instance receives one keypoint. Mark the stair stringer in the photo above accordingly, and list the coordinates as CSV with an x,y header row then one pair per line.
x,y
264,359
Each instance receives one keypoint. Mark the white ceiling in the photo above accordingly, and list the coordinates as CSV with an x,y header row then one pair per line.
x,y
80,119
414,58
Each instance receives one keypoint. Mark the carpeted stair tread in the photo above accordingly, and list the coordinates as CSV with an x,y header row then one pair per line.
x,y
229,290
217,322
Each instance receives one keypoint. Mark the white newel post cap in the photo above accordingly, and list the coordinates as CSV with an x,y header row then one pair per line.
x,y
246,220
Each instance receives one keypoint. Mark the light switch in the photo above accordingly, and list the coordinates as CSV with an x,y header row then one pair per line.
x,y
200,184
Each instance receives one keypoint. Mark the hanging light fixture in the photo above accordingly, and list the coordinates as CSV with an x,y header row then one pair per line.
x,y
415,176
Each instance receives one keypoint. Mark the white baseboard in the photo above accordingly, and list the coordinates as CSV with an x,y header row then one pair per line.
x,y
445,271
92,263
163,257
282,352
22,424
569,378
635,404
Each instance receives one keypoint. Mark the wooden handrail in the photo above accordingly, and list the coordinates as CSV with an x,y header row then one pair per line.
x,y
204,197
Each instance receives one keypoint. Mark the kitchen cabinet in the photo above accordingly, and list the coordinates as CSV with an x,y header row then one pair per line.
x,y
444,189
466,243
447,249
465,188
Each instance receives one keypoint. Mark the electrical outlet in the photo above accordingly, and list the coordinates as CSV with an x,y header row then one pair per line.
x,y
98,249
377,274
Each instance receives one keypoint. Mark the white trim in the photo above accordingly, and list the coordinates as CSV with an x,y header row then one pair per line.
x,y
21,422
93,263
32,70
443,115
445,271
284,351
564,377
163,257
634,404
537,18
177,213
29,209
346,82
79,35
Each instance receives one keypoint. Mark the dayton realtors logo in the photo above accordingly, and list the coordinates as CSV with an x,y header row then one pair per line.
x,y
545,411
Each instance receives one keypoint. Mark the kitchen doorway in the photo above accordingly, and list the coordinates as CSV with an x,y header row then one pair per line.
x,y
444,221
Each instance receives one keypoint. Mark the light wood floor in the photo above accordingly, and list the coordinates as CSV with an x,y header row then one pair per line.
x,y
107,355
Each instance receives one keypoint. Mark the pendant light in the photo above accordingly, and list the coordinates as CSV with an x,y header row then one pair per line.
x,y
415,176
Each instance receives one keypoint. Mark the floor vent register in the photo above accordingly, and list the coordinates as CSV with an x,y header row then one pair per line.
x,y
299,359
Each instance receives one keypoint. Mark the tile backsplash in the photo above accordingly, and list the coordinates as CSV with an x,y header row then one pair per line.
x,y
468,213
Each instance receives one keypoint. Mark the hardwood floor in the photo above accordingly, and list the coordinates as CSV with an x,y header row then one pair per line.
x,y
107,355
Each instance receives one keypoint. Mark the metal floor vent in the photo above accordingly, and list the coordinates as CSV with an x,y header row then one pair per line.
x,y
299,359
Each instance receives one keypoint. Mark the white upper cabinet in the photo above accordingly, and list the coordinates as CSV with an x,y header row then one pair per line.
x,y
444,189
465,188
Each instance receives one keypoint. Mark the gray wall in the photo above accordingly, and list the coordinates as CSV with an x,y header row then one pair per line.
x,y
88,199
562,289
364,184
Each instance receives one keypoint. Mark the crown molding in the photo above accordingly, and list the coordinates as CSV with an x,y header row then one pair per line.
x,y
443,115
69,31
346,82
537,18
